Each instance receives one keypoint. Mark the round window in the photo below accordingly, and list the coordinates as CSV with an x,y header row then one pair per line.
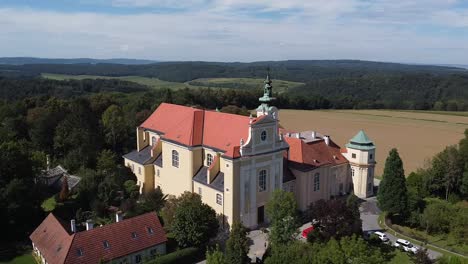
x,y
263,136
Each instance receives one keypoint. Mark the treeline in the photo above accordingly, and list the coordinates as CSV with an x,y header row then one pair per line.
x,y
292,70
433,199
401,91
20,88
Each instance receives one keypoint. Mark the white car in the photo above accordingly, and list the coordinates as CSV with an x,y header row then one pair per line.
x,y
381,236
406,246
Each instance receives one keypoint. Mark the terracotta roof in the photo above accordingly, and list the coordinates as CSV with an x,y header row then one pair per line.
x,y
52,235
52,239
315,154
192,127
119,237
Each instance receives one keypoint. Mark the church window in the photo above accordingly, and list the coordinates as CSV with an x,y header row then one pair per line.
x,y
175,158
219,199
262,180
209,159
353,155
263,136
153,140
316,182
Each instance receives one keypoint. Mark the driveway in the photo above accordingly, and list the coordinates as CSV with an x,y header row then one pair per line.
x,y
369,216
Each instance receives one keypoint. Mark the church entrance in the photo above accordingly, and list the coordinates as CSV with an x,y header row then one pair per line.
x,y
260,214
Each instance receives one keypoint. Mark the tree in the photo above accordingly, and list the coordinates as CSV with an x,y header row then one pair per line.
x,y
282,212
106,162
153,200
171,204
216,256
392,195
64,192
333,218
237,246
114,124
436,217
194,222
421,257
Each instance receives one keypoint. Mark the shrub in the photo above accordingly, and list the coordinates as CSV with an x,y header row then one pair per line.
x,y
186,255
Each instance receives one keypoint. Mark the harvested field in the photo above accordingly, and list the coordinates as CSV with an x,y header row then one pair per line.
x,y
417,135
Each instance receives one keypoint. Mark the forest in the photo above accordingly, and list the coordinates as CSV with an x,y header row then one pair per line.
x,y
341,84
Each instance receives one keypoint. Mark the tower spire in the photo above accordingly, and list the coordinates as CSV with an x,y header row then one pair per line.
x,y
267,97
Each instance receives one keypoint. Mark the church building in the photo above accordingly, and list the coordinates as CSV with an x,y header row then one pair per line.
x,y
235,162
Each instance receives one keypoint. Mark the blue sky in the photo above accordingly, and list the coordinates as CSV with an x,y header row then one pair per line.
x,y
417,31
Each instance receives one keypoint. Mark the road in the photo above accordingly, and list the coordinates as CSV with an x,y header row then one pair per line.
x,y
370,214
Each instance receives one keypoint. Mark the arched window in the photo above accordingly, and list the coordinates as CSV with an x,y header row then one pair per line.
x,y
209,159
262,180
153,140
316,182
263,136
175,158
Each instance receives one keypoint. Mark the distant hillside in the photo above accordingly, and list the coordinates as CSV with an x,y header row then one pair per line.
x,y
293,70
31,60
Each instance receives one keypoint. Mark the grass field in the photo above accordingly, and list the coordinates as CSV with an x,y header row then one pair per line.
x,y
245,83
417,135
27,258
222,83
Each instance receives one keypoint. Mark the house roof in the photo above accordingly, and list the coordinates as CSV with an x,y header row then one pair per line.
x,y
314,153
52,239
59,246
192,127
361,141
142,157
217,183
119,237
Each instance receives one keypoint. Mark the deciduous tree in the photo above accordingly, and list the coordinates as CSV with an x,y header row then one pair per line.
x,y
237,246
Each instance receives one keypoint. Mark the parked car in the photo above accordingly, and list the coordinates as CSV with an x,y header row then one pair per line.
x,y
406,246
381,236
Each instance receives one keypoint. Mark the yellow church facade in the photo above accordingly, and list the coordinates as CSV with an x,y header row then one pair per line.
x,y
235,162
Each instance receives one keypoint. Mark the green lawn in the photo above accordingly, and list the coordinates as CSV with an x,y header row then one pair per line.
x,y
216,83
244,83
151,82
443,241
27,258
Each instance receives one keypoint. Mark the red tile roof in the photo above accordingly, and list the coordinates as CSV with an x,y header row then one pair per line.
x,y
118,235
192,127
315,153
52,239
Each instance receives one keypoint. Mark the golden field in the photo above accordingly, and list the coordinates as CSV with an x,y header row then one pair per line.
x,y
417,135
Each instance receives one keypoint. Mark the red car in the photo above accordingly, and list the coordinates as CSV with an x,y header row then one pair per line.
x,y
306,231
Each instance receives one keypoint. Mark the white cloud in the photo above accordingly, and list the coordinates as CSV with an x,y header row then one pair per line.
x,y
230,30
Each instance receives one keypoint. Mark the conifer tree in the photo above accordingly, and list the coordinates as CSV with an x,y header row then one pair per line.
x,y
392,195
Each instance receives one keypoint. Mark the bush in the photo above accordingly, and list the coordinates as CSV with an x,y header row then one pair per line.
x,y
186,255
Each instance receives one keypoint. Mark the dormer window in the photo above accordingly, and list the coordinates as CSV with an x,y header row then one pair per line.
x,y
79,252
150,230
209,159
153,140
134,235
263,136
106,245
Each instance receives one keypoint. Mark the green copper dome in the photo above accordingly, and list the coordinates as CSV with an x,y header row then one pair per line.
x,y
361,141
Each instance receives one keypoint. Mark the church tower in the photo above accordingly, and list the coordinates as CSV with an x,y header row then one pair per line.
x,y
361,156
264,108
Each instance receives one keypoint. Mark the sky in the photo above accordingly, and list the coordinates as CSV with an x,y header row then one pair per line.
x,y
413,31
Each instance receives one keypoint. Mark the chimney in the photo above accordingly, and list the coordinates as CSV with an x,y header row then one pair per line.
x,y
298,135
89,224
73,226
313,134
118,216
327,140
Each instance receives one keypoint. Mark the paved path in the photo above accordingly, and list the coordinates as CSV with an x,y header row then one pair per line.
x,y
369,216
